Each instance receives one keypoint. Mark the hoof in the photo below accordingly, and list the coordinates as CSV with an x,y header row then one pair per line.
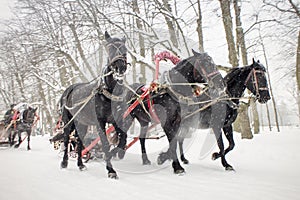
x,y
118,152
82,167
146,162
121,153
145,159
229,168
184,160
162,158
17,145
179,171
64,164
113,175
159,161
215,156
28,148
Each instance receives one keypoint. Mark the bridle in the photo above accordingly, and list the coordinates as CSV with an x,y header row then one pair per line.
x,y
118,52
209,76
253,74
120,56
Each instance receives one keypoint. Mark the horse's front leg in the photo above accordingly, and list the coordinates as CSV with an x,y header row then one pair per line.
x,y
106,147
120,148
218,135
229,135
178,169
171,129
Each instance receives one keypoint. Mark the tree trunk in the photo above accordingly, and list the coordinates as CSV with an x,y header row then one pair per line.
x,y
227,21
270,86
241,47
254,111
77,41
141,40
62,72
199,28
170,24
47,123
243,119
298,74
269,118
74,65
244,122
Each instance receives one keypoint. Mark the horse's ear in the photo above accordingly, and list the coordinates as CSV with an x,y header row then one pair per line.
x,y
258,61
195,52
253,61
35,109
124,39
107,36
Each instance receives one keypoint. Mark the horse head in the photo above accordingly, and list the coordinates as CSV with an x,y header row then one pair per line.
x,y
257,82
206,70
117,55
29,114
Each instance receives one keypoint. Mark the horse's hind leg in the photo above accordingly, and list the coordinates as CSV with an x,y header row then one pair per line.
x,y
143,133
80,133
10,137
19,139
79,150
182,157
67,131
28,139
142,137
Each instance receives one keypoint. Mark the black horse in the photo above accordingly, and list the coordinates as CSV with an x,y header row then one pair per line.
x,y
177,89
86,104
29,117
7,122
237,80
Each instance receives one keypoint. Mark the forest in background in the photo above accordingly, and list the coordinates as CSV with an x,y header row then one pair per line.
x,y
51,44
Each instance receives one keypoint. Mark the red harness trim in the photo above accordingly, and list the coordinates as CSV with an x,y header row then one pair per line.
x,y
150,106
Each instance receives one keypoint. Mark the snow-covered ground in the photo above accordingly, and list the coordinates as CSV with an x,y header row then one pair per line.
x,y
267,167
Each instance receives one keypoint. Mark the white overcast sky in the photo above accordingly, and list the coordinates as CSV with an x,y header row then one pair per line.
x,y
5,12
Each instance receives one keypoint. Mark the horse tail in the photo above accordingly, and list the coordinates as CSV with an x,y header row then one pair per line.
x,y
64,98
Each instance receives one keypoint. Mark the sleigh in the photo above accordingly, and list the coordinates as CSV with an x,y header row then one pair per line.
x,y
4,136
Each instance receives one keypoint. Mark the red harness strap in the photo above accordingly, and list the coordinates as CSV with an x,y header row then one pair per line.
x,y
150,106
15,116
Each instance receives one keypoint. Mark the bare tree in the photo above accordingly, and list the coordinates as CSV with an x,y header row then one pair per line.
x,y
199,27
243,121
298,74
228,27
